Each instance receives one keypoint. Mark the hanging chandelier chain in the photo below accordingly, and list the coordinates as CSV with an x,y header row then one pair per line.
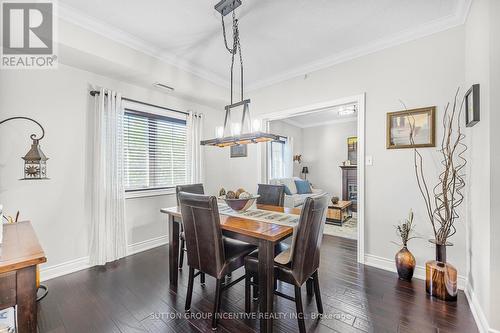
x,y
235,49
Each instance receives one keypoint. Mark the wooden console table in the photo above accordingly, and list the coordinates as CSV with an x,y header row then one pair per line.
x,y
338,213
19,256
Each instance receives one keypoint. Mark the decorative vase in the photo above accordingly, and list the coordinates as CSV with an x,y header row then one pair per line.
x,y
405,263
441,276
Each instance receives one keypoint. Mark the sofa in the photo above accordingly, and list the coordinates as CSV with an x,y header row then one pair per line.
x,y
294,199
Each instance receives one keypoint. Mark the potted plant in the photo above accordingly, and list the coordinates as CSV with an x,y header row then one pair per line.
x,y
442,201
405,261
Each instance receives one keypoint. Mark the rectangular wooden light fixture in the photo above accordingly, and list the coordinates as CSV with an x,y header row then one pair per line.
x,y
244,138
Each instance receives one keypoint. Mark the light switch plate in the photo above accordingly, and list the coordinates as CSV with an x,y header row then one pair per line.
x,y
369,160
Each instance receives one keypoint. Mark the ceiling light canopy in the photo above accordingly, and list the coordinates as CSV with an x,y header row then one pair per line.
x,y
244,132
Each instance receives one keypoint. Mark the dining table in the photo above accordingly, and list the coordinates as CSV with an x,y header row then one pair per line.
x,y
265,235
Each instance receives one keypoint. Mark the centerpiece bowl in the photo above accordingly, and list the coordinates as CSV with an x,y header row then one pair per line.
x,y
240,205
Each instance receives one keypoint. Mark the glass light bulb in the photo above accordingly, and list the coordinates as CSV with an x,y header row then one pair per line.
x,y
235,129
219,132
256,125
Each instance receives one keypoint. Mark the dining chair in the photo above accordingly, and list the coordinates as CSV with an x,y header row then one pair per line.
x,y
304,264
207,251
190,188
271,194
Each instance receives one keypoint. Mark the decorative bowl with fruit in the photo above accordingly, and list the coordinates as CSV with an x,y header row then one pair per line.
x,y
239,200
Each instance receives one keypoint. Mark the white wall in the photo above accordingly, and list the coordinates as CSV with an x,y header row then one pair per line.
x,y
482,65
478,71
423,72
59,99
325,148
282,128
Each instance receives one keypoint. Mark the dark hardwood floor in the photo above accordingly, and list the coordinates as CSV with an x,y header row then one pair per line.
x,y
133,296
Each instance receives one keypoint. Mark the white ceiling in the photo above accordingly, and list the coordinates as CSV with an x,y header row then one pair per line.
x,y
321,117
280,38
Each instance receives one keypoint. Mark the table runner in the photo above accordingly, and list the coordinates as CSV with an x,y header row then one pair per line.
x,y
261,215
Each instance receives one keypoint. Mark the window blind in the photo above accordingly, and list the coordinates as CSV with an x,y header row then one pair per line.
x,y
155,149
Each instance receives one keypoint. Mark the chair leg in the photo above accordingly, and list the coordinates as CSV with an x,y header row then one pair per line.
x,y
181,254
202,278
309,287
248,281
255,288
317,292
218,290
300,310
190,289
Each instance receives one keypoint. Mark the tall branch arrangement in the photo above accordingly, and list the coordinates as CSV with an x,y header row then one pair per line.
x,y
443,201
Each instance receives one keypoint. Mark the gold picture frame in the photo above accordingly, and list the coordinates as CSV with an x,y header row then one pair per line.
x,y
398,128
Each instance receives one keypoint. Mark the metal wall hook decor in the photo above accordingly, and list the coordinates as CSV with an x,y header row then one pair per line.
x,y
35,161
32,136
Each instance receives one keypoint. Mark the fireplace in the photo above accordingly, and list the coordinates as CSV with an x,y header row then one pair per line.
x,y
350,185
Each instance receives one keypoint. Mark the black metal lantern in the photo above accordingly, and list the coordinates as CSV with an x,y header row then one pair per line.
x,y
35,161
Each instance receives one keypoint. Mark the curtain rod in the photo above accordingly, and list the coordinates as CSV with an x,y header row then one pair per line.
x,y
97,92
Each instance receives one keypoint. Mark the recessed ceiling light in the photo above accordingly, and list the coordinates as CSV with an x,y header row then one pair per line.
x,y
346,111
163,86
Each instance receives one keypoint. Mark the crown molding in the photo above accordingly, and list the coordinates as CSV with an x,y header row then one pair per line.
x,y
74,16
89,23
430,28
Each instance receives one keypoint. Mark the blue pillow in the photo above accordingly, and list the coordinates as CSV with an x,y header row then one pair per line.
x,y
303,186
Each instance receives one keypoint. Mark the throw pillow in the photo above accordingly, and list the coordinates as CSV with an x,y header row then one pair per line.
x,y
303,186
289,183
287,190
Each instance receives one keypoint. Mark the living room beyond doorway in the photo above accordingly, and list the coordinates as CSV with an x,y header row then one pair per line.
x,y
319,155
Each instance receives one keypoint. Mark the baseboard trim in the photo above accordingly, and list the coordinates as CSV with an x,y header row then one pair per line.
x,y
388,265
75,265
71,266
147,245
477,311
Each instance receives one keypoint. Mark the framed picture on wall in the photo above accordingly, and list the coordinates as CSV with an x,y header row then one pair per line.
x,y
239,151
398,128
472,106
352,149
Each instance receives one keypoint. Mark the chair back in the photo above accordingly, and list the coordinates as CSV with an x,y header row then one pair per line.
x,y
305,258
189,188
200,216
271,195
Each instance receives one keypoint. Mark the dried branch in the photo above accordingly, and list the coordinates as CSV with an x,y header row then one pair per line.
x,y
443,204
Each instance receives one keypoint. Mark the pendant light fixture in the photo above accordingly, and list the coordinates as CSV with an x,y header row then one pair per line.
x,y
244,132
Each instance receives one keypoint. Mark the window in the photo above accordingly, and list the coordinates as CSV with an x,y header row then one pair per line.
x,y
155,148
277,160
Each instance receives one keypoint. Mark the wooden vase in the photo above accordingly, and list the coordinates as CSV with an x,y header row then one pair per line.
x,y
441,276
405,264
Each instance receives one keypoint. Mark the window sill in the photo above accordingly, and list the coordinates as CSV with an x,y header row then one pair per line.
x,y
149,193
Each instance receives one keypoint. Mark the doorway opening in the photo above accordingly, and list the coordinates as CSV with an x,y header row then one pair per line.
x,y
324,146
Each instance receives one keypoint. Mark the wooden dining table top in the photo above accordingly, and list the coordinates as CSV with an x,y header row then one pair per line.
x,y
250,227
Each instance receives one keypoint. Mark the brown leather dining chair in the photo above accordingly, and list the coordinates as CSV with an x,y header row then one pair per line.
x,y
190,188
304,264
207,251
271,194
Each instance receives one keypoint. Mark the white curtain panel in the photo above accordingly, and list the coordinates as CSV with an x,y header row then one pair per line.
x,y
108,240
195,155
288,158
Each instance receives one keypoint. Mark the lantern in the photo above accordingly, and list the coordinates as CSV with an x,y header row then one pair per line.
x,y
35,162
